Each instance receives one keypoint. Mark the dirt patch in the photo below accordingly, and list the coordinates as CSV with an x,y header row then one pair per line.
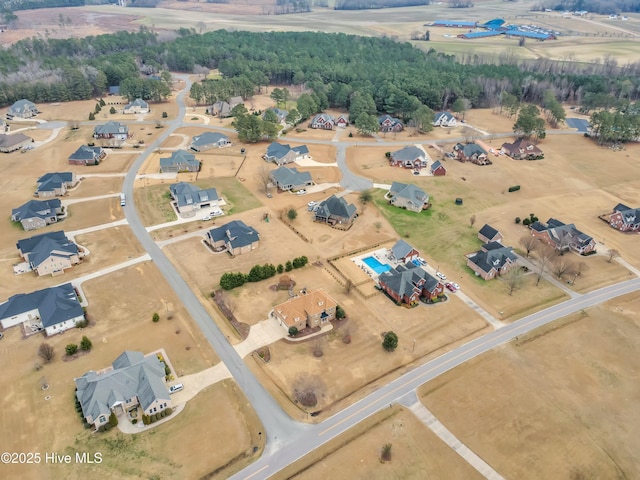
x,y
560,405
91,213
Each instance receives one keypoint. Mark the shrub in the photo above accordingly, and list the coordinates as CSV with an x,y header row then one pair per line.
x,y
85,343
386,452
113,420
514,188
102,104
293,331
288,266
71,349
350,134
300,262
167,370
156,317
92,117
340,313
390,342
232,280
162,414
517,220
134,421
146,420
82,323
292,214
164,115
280,268
112,110
46,352
169,410
526,222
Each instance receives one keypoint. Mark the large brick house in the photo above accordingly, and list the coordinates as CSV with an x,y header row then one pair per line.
x,y
625,219
323,121
112,134
336,212
281,154
311,310
180,161
22,109
493,259
444,119
86,155
208,140
37,213
407,283
563,236
138,106
285,178
408,157
522,150
388,124
471,152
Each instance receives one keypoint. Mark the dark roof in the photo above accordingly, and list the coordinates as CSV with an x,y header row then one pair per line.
x,y
179,157
187,194
278,150
22,106
36,209
488,231
290,176
408,153
207,138
471,149
50,181
410,192
404,279
236,233
138,102
55,305
493,255
401,249
110,128
40,247
85,152
436,165
335,207
394,121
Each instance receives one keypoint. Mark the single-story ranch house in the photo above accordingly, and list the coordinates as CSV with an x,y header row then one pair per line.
x,y
54,309
625,219
407,283
132,381
409,157
22,109
208,140
50,253
188,197
522,150
234,237
86,155
16,141
491,260
37,213
313,309
180,161
55,184
408,196
563,237
282,154
285,178
336,212
137,106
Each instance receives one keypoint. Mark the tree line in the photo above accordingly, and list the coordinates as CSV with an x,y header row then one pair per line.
x,y
372,4
604,7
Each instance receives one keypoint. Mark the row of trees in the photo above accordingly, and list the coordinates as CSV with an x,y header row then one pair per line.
x,y
231,280
615,126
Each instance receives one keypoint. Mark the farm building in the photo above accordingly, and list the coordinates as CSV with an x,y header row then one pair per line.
x,y
454,24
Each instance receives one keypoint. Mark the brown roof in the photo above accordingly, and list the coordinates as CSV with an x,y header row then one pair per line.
x,y
522,146
299,308
11,140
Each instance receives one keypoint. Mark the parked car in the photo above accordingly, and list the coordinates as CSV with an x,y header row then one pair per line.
x,y
449,287
441,276
454,287
301,192
422,261
176,388
311,206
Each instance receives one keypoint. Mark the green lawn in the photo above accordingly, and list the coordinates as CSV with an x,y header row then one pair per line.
x,y
238,198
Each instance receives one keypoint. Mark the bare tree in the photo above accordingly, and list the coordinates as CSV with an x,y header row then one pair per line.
x,y
46,352
385,455
562,265
317,347
264,175
348,286
470,134
545,254
514,278
529,243
307,389
612,254
472,220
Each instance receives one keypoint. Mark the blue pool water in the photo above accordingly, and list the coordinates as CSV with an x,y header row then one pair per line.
x,y
375,265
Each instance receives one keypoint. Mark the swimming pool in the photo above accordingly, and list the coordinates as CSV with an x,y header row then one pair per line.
x,y
375,265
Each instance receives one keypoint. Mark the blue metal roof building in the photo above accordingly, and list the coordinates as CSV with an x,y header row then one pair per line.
x,y
455,23
485,34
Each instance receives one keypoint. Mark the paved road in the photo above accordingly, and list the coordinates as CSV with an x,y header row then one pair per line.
x,y
402,389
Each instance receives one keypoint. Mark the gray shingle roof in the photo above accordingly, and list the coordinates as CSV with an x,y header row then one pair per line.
x,y
335,207
404,279
629,215
394,121
111,128
51,181
409,192
290,176
55,305
179,157
36,209
495,256
408,153
401,249
40,247
436,165
138,102
13,139
85,152
208,138
236,233
22,106
187,194
278,150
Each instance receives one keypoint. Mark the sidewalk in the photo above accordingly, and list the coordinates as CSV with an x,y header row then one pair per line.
x,y
72,233
70,201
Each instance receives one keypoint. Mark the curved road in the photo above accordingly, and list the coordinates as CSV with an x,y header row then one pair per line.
x,y
286,439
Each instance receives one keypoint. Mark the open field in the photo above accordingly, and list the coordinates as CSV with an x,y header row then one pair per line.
x,y
558,403
154,204
94,186
88,214
416,453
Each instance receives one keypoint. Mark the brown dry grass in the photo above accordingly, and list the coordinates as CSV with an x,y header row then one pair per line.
x,y
558,403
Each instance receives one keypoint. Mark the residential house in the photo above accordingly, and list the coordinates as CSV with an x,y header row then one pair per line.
x,y
407,283
444,119
114,133
86,155
208,140
489,234
282,154
223,109
471,152
133,381
3,126
323,121
55,184
286,178
22,109
342,121
188,197
408,196
311,310
235,237
389,124
625,219
563,237
37,213
402,252
409,157
336,212
491,260
437,169
53,310
137,106
49,253
16,141
522,149
180,161
281,114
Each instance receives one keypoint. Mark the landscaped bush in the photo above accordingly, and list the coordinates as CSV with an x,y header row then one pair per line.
x,y
134,421
293,331
146,420
113,420
340,313
517,220
162,414
288,266
232,280
526,222
71,349
280,268
514,188
167,370
300,262
155,318
169,411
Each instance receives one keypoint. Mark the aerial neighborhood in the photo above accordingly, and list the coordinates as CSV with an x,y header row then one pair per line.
x,y
255,244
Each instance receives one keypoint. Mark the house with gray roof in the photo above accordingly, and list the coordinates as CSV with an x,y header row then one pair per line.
x,y
323,121
113,133
37,213
563,236
281,114
55,184
234,237
388,123
16,141
86,155
223,109
336,212
53,310
408,196
493,259
133,380
281,154
409,157
285,178
208,140
188,197
138,106
625,219
408,283
437,169
489,234
402,252
180,161
444,119
22,109
471,152
50,253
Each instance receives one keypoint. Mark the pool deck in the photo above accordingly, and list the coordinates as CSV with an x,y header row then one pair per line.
x,y
381,255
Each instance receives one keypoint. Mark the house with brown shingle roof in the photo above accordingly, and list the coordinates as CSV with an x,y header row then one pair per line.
x,y
313,309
